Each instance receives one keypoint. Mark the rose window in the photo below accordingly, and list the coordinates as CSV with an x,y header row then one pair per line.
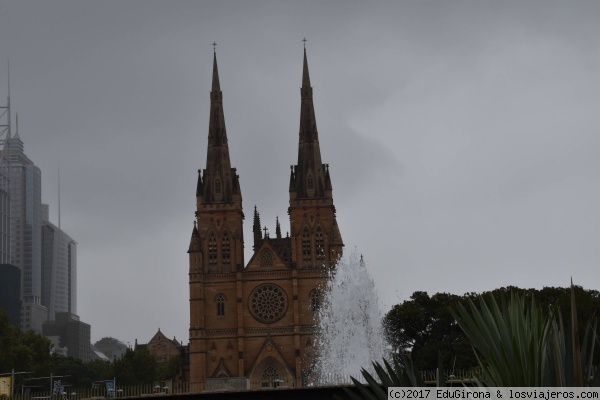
x,y
268,303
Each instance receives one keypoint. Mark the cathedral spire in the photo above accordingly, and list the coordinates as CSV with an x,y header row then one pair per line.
x,y
217,135
256,229
308,178
277,228
195,242
219,183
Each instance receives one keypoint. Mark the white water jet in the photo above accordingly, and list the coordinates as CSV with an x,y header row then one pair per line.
x,y
349,324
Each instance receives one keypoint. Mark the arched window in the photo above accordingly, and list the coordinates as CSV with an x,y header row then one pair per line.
x,y
311,182
225,249
220,299
320,244
306,244
270,377
212,248
315,300
266,258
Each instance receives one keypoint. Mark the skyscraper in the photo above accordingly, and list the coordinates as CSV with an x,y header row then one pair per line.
x,y
5,134
253,325
26,231
10,275
59,269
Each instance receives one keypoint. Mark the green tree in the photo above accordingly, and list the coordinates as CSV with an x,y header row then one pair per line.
x,y
168,370
424,326
136,367
23,351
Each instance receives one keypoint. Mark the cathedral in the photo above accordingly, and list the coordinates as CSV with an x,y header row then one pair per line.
x,y
252,325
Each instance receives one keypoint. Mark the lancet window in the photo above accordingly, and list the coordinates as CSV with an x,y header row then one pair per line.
x,y
306,244
212,248
320,244
220,304
225,249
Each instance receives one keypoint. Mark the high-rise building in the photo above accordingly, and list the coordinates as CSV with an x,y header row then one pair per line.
x,y
5,257
10,275
59,269
253,325
73,334
26,231
10,292
5,134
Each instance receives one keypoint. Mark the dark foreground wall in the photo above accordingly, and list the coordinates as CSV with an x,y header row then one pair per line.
x,y
308,393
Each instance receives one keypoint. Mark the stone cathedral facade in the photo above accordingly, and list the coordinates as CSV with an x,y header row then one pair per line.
x,y
254,323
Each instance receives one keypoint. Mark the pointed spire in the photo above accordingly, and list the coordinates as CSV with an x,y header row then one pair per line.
x,y
216,129
216,87
305,74
277,228
219,183
307,179
195,242
256,229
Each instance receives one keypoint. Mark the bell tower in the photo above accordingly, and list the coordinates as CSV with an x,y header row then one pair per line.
x,y
217,242
316,239
218,197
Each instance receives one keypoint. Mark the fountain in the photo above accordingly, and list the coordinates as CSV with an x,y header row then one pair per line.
x,y
350,332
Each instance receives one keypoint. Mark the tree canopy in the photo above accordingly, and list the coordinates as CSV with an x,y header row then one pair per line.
x,y
31,352
424,327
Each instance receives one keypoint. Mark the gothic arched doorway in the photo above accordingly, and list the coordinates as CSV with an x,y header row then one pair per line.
x,y
270,373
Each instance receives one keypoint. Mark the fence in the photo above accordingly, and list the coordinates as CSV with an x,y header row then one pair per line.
x,y
220,384
99,391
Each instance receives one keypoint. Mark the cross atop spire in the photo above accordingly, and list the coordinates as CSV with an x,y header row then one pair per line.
x,y
304,40
214,45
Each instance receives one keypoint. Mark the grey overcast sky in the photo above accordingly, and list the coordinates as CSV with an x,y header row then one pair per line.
x,y
463,137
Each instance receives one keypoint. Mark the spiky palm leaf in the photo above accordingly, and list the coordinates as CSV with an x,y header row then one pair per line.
x,y
510,340
399,375
517,346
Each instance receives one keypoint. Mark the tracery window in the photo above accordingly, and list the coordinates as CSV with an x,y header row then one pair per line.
x,y
220,304
270,377
225,249
267,303
212,248
319,244
266,258
311,183
306,244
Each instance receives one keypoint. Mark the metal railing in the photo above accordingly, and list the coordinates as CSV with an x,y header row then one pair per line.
x,y
219,384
